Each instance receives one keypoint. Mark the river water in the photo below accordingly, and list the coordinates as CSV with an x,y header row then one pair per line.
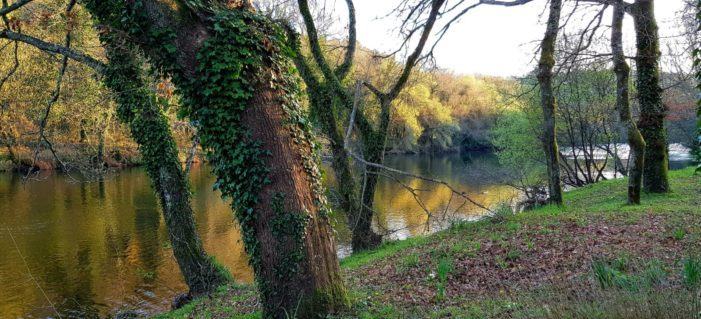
x,y
85,250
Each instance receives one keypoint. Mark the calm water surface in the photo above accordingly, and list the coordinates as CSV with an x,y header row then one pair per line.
x,y
89,249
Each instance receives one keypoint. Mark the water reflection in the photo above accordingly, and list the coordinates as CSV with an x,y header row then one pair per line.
x,y
94,248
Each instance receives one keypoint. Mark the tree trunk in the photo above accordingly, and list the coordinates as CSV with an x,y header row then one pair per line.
x,y
652,110
359,219
374,144
635,139
548,102
149,127
233,74
311,284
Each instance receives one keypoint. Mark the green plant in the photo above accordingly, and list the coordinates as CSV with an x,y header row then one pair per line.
x,y
501,213
654,274
513,254
679,234
610,276
691,272
445,266
145,274
408,262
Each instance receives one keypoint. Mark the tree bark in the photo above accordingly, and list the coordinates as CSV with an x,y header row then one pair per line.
x,y
652,110
319,273
635,139
548,101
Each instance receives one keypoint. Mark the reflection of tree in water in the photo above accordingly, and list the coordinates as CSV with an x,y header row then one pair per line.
x,y
146,224
81,288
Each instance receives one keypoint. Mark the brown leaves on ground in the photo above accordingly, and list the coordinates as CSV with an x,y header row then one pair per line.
x,y
494,262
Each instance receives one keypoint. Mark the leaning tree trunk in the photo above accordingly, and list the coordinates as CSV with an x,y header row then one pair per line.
x,y
231,68
652,110
548,102
635,139
137,107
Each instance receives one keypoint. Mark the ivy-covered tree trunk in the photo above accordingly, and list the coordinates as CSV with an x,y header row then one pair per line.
x,y
359,219
374,144
548,102
635,139
237,84
652,110
138,107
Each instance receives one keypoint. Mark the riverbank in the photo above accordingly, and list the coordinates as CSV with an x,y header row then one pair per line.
x,y
595,258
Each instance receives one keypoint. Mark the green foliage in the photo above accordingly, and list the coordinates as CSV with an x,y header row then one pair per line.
x,y
501,213
409,261
443,269
515,137
679,234
288,225
691,272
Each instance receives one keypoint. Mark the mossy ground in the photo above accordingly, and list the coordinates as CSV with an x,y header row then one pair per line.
x,y
531,265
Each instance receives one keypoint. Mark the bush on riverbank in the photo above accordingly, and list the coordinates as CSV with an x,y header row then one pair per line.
x,y
595,258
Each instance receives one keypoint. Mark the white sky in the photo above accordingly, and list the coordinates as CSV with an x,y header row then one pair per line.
x,y
489,40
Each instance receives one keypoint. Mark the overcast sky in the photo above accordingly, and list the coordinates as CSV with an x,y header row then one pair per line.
x,y
489,40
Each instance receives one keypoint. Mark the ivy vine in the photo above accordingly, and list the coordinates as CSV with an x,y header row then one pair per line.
x,y
244,51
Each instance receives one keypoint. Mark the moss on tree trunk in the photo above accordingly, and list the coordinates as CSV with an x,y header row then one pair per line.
x,y
138,108
549,103
652,110
635,139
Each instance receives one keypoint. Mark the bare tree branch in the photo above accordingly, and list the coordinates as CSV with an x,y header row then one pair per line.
x,y
55,49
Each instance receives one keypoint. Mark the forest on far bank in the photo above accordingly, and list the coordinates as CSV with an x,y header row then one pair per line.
x,y
439,111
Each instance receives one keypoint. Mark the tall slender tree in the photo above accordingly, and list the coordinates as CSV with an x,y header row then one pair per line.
x,y
635,139
652,110
231,67
548,101
697,65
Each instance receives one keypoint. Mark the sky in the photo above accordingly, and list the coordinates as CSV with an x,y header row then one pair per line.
x,y
489,40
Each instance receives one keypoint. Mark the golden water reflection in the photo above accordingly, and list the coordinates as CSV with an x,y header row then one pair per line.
x,y
95,248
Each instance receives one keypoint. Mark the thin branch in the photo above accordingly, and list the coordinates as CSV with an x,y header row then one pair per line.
x,y
65,50
7,9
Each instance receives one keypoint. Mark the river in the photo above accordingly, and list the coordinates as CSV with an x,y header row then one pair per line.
x,y
90,249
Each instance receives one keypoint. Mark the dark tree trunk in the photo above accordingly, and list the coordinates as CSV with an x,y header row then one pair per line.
x,y
374,144
652,110
149,127
548,102
635,139
359,218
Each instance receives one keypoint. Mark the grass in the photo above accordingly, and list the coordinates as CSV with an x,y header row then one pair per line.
x,y
596,257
